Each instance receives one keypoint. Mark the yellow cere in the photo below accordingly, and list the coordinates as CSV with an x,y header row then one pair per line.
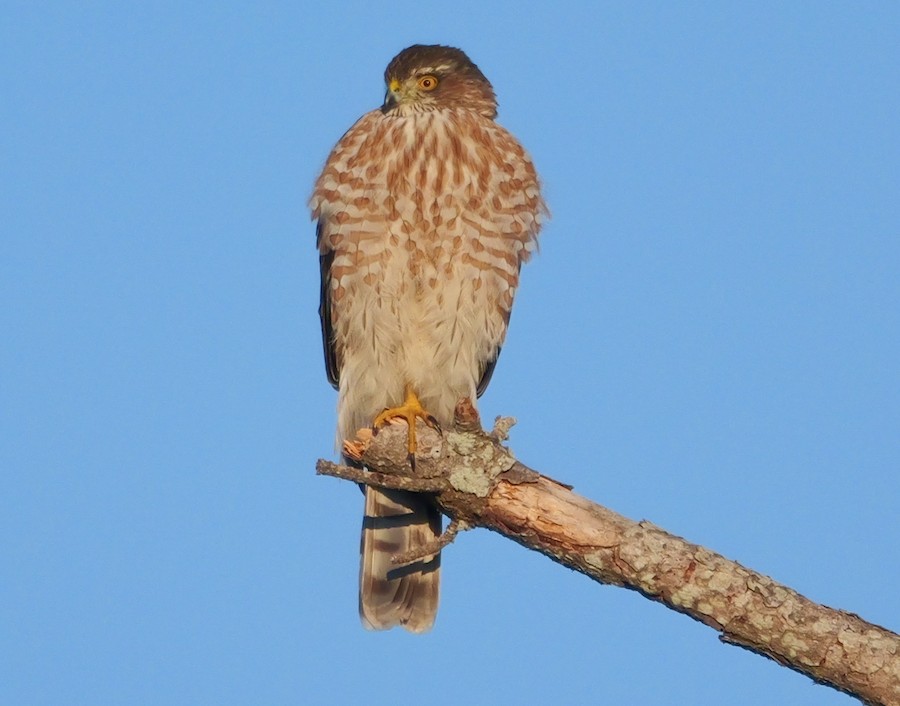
x,y
394,85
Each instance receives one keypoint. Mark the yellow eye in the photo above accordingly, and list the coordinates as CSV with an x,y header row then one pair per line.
x,y
428,83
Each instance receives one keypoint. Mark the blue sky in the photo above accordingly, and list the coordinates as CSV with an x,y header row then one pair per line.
x,y
709,339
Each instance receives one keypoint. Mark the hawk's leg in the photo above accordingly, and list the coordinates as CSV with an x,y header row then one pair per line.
x,y
410,410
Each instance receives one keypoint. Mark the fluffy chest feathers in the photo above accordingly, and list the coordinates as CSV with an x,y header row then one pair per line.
x,y
426,219
430,178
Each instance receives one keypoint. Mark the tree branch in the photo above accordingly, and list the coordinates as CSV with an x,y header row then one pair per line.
x,y
478,483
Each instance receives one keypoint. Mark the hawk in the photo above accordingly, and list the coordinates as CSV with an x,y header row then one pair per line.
x,y
426,209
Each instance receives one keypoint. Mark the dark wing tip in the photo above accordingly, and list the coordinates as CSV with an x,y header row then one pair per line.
x,y
486,374
331,365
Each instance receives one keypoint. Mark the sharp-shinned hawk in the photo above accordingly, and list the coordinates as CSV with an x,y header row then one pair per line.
x,y
426,210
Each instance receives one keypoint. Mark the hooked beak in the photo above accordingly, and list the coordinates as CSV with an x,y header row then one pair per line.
x,y
392,96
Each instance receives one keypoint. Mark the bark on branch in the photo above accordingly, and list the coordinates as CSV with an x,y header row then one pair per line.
x,y
478,483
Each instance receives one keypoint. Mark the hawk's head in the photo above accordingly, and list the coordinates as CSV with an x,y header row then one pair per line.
x,y
431,77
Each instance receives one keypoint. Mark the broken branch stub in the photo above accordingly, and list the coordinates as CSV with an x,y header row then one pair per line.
x,y
477,482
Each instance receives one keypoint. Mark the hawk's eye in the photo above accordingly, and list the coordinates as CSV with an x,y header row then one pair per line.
x,y
428,83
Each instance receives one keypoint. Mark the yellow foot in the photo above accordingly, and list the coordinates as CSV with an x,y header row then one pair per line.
x,y
410,410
